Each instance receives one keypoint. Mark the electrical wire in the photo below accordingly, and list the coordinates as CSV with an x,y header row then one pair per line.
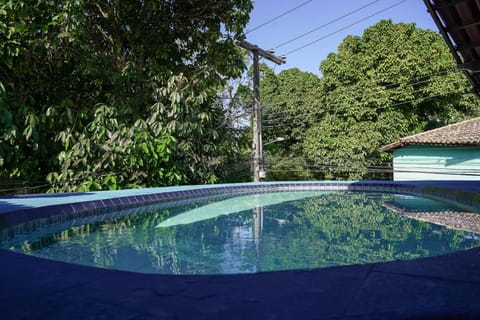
x,y
381,89
288,120
69,181
386,169
239,170
325,24
423,79
417,80
278,17
344,28
336,109
25,188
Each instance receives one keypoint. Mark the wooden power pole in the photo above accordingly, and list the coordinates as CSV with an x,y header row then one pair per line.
x,y
258,162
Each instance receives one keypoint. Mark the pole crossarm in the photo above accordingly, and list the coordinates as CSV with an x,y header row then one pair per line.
x,y
261,52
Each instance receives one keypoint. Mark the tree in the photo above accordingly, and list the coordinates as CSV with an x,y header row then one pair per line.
x,y
291,102
286,98
115,94
393,81
237,98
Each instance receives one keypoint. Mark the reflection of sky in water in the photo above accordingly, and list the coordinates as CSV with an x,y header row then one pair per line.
x,y
233,251
412,203
252,233
234,205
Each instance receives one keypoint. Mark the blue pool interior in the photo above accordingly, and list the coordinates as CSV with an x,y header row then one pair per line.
x,y
251,232
445,286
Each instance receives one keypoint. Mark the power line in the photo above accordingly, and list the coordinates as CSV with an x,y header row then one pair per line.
x,y
326,110
344,28
326,24
369,168
279,121
386,170
279,16
25,188
322,111
38,185
394,86
424,79
380,90
370,109
421,79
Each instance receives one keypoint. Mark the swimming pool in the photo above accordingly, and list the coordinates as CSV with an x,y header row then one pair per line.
x,y
439,286
249,229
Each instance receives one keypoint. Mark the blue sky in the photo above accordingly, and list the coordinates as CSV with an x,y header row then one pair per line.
x,y
317,13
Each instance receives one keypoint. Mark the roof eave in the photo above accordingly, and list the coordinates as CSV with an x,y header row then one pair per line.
x,y
392,146
400,144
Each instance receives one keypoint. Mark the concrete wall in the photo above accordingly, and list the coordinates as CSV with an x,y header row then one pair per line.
x,y
424,162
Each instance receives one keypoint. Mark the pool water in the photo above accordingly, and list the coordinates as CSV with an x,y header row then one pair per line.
x,y
250,233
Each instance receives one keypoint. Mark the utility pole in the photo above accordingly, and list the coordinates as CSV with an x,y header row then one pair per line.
x,y
258,162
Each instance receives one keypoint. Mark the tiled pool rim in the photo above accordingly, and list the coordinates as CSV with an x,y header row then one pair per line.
x,y
21,208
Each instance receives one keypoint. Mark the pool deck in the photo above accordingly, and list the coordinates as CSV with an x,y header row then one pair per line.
x,y
443,287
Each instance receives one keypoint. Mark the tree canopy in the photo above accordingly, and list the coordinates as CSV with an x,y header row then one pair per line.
x,y
142,93
112,94
394,80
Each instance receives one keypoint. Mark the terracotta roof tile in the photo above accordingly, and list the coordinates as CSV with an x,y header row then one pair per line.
x,y
465,133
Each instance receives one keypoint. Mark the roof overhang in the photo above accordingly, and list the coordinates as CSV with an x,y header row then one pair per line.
x,y
392,146
400,144
459,24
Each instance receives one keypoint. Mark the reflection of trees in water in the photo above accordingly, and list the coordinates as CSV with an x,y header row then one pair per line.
x,y
103,240
168,250
329,229
351,228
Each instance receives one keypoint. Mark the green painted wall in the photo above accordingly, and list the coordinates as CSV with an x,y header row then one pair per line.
x,y
424,162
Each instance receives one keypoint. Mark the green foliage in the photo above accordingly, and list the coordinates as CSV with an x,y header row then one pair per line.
x,y
290,104
281,168
115,94
286,97
393,81
235,159
346,148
